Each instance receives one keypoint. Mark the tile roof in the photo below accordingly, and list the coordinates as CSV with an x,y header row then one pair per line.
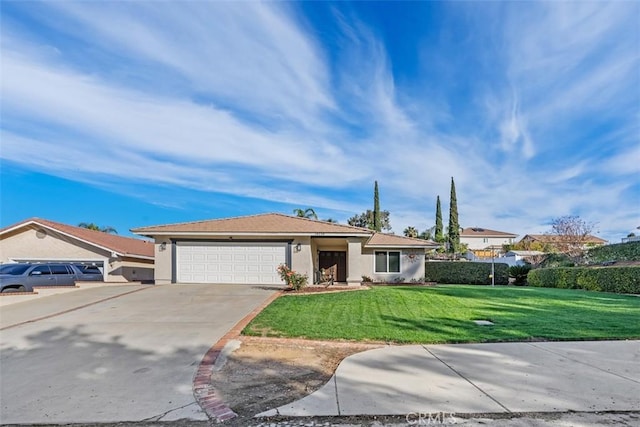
x,y
122,245
552,238
259,224
381,239
484,232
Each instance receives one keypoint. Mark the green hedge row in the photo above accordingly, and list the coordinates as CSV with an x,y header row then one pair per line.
x,y
629,251
465,273
622,280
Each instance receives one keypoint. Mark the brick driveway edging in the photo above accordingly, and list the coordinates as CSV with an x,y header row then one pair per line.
x,y
203,390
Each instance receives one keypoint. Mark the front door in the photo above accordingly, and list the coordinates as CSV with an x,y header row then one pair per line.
x,y
337,259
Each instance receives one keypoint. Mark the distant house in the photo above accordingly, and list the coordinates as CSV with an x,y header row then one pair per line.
x,y
121,259
557,242
485,243
520,257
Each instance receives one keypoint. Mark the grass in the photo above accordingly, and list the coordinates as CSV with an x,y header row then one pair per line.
x,y
444,314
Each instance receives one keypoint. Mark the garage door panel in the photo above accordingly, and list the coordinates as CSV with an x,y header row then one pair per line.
x,y
217,262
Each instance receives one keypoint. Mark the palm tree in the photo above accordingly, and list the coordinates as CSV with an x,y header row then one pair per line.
x,y
410,232
94,227
306,213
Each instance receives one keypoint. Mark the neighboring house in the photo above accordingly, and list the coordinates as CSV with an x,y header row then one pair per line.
x,y
521,257
248,250
485,243
558,242
121,259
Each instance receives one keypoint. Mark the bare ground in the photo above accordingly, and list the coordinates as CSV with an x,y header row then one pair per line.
x,y
265,373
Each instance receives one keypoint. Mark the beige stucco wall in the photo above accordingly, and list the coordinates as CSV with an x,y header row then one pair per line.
x,y
411,268
476,243
163,256
32,244
305,261
302,261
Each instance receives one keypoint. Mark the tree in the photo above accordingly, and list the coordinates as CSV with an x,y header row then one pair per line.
x,y
438,234
454,226
426,234
377,224
306,213
410,232
571,234
331,220
365,220
94,227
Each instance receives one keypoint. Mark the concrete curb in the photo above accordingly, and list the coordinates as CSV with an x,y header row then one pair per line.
x,y
204,392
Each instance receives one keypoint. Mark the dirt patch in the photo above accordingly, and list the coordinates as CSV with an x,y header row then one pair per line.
x,y
265,373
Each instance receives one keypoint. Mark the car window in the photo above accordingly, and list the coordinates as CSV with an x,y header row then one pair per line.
x,y
14,269
91,269
43,269
59,269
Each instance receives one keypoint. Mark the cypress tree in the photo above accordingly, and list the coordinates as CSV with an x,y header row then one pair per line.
x,y
377,224
454,226
439,236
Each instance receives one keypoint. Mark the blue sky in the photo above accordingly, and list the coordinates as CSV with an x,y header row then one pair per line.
x,y
138,113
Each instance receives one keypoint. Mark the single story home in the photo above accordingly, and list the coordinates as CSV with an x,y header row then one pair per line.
x,y
552,241
249,249
121,259
485,243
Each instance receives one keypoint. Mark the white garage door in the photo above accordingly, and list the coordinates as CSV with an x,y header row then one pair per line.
x,y
246,263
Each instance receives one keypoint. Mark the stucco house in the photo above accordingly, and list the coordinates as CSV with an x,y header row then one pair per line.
x,y
248,250
559,242
485,243
121,259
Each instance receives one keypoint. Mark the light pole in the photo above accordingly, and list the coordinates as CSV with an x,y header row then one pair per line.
x,y
493,269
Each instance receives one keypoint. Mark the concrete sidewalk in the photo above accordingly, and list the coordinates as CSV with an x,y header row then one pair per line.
x,y
480,378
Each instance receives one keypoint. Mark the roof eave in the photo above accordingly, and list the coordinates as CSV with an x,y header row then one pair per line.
x,y
245,233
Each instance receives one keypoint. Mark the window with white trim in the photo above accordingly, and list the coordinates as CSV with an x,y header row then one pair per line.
x,y
387,262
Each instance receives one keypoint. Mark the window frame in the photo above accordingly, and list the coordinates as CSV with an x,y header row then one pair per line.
x,y
387,261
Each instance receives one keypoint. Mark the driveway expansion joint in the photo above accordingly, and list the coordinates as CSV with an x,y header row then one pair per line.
x,y
335,382
49,316
582,363
467,379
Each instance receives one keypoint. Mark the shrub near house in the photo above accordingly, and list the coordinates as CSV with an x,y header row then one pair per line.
x,y
470,273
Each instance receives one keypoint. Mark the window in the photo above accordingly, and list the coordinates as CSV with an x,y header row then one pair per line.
x,y
59,269
14,269
485,240
387,262
43,269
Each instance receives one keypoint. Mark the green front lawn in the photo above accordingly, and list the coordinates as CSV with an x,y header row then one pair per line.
x,y
445,313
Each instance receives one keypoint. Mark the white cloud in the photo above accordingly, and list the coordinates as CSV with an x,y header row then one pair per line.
x,y
241,98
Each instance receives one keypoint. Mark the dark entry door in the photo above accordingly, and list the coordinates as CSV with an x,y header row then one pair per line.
x,y
337,259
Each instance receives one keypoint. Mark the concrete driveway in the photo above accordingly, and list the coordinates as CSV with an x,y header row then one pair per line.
x,y
125,353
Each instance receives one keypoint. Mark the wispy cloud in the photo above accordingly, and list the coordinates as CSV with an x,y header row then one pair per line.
x,y
249,99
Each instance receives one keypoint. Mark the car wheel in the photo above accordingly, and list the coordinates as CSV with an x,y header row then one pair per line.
x,y
18,289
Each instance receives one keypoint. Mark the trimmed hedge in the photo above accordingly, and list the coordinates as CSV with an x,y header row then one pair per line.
x,y
621,280
465,273
629,251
